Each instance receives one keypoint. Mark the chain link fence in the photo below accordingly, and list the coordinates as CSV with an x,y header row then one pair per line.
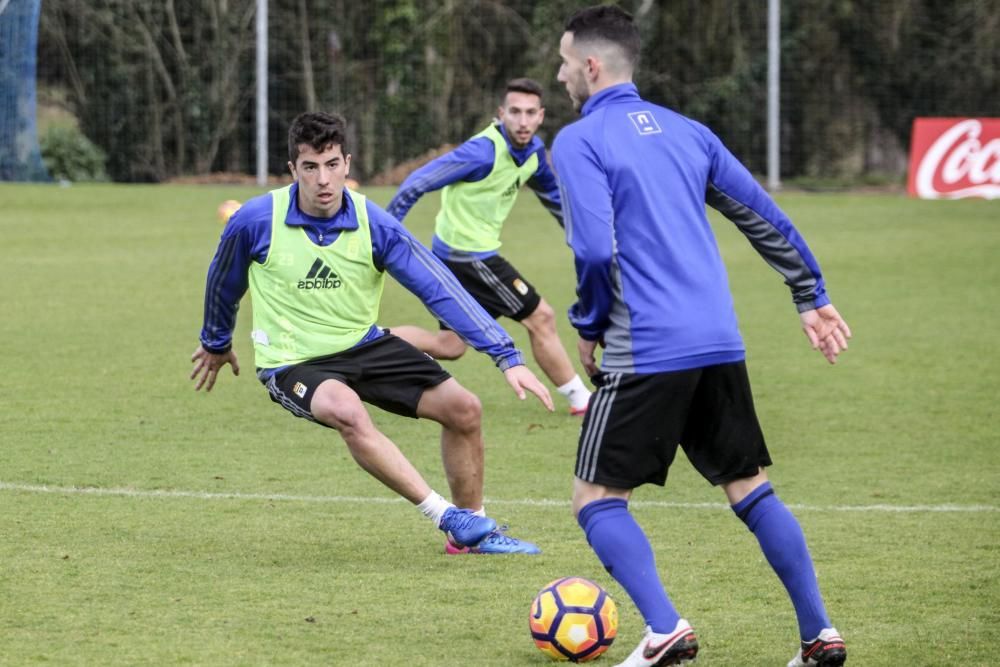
x,y
165,88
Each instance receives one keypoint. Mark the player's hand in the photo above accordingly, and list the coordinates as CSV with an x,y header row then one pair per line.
x,y
207,366
586,349
521,378
827,331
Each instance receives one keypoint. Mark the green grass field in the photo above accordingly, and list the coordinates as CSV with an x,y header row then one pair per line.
x,y
142,523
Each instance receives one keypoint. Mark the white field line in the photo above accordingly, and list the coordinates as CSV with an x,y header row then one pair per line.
x,y
531,502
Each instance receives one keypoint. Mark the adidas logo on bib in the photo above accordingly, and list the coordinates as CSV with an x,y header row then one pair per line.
x,y
320,276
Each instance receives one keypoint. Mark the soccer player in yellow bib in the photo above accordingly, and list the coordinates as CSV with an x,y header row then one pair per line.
x,y
479,182
314,256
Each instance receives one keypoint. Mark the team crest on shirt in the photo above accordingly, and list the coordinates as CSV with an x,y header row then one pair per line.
x,y
520,286
354,245
644,122
300,390
513,188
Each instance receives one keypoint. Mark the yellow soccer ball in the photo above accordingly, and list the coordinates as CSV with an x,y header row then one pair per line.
x,y
573,619
226,210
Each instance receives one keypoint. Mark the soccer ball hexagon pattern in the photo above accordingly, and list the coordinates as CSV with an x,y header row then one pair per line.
x,y
573,619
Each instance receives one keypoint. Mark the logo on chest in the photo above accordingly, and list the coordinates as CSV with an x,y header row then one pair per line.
x,y
320,276
513,188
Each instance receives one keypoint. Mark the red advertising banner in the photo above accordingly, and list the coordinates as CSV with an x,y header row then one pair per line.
x,y
952,158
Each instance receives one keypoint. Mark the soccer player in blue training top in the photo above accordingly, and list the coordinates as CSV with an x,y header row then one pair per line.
x,y
481,179
652,289
314,257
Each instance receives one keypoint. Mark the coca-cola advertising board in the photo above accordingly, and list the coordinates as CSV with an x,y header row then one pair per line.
x,y
952,158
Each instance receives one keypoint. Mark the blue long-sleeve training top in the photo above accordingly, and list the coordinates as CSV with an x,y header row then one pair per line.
x,y
635,179
472,161
247,238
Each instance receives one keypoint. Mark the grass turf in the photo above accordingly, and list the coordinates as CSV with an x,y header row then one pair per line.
x,y
143,523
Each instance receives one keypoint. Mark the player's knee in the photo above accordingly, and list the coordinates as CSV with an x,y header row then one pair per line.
x,y
585,493
576,505
465,412
350,419
450,348
542,319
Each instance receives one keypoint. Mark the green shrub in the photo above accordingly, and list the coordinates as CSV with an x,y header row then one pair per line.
x,y
69,155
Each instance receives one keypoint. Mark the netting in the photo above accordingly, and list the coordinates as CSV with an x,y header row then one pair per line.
x,y
167,88
20,156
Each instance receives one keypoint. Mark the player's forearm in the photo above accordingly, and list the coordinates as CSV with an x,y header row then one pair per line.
x,y
459,165
590,236
777,241
478,329
735,193
451,304
416,185
423,274
225,285
550,199
590,315
219,322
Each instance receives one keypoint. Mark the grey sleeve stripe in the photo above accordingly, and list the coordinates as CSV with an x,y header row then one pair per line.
x,y
439,174
465,301
767,240
590,440
499,288
408,198
550,204
219,310
567,214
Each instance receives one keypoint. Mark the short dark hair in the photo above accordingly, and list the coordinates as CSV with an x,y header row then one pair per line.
x,y
317,130
608,23
522,85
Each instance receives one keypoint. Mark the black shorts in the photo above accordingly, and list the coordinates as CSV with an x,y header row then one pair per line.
x,y
635,422
387,372
497,286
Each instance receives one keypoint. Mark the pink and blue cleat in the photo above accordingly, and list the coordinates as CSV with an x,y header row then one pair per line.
x,y
466,536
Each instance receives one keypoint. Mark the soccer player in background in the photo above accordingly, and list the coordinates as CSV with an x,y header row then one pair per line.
x,y
314,257
652,289
480,181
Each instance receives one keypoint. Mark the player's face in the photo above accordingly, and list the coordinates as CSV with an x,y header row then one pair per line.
x,y
521,115
321,176
573,71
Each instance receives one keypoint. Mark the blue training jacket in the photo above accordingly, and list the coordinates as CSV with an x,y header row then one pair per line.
x,y
247,238
635,178
473,161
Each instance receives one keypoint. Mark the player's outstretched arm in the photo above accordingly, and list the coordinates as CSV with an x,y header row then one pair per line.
x,y
208,364
520,378
826,330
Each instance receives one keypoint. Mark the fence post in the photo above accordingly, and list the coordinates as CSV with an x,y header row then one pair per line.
x,y
262,92
773,95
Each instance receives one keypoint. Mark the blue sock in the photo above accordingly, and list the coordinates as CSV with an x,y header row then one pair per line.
x,y
781,539
626,554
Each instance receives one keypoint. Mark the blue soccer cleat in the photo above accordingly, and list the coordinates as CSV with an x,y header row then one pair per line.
x,y
497,542
464,527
